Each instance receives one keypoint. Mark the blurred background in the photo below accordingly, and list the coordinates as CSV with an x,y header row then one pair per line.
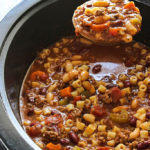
x,y
6,6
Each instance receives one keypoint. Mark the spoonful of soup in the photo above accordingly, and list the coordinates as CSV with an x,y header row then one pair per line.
x,y
107,21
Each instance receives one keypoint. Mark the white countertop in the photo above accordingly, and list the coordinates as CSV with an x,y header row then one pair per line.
x,y
6,6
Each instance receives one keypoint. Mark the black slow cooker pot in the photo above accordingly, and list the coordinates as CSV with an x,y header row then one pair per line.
x,y
29,27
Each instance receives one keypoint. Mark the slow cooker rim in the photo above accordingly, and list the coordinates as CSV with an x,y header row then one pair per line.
x,y
11,24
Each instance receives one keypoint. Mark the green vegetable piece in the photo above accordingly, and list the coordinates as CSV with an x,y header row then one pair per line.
x,y
120,117
76,148
63,102
86,94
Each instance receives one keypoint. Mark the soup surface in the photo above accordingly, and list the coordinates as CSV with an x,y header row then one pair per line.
x,y
82,96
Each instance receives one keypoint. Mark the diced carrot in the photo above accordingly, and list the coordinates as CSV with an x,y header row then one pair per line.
x,y
38,75
100,27
66,92
114,31
103,148
35,129
52,146
132,6
60,125
77,98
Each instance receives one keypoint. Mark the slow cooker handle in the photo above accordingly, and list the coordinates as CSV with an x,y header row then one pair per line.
x,y
2,145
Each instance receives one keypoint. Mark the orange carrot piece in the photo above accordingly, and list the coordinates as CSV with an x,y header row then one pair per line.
x,y
52,146
103,148
100,27
66,92
114,31
77,98
131,5
60,125
38,75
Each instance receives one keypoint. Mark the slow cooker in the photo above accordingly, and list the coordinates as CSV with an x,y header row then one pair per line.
x,y
31,26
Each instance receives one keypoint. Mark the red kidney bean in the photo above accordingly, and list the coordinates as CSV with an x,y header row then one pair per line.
x,y
43,91
73,137
111,85
127,83
148,115
68,148
143,145
96,69
98,13
87,27
132,121
89,5
57,68
64,141
30,96
32,124
106,79
31,99
147,63
100,97
30,112
36,89
54,111
117,23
